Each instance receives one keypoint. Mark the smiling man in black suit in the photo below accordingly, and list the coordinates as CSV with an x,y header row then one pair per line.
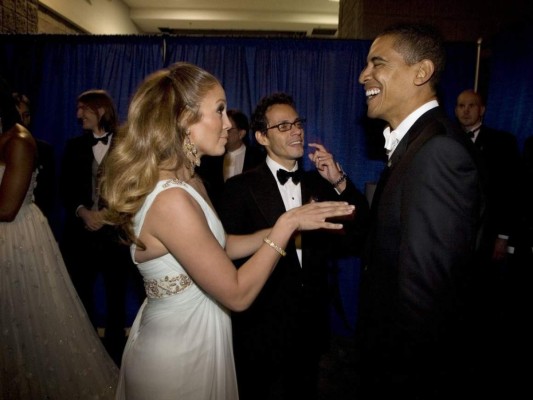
x,y
415,329
279,339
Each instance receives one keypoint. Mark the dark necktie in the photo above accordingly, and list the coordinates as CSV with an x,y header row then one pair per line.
x,y
104,139
472,134
283,176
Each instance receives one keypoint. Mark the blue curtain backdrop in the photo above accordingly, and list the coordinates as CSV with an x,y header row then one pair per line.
x,y
510,95
322,75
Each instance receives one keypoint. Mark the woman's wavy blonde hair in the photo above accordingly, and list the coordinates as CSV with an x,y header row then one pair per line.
x,y
164,106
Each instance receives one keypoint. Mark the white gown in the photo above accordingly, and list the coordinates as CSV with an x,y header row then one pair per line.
x,y
48,347
180,345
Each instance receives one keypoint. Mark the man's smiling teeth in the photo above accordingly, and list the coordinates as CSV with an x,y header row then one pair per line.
x,y
372,92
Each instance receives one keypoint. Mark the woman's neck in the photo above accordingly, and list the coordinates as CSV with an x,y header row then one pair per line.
x,y
183,174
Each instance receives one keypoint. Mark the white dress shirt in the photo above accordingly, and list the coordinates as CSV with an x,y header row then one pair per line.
x,y
290,192
234,162
392,138
100,149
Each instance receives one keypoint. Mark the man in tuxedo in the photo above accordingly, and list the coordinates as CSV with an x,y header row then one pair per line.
x,y
416,334
240,156
279,339
91,248
501,157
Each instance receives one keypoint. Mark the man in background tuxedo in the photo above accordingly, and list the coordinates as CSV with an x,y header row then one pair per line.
x,y
279,339
415,334
90,247
510,264
501,157
240,156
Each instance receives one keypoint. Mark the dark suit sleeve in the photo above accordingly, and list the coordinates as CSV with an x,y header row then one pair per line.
x,y
75,176
45,192
505,173
439,210
351,239
230,207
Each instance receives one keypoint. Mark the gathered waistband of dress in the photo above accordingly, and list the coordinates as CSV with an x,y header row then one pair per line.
x,y
166,286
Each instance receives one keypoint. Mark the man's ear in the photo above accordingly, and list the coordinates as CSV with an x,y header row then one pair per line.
x,y
242,133
261,138
425,72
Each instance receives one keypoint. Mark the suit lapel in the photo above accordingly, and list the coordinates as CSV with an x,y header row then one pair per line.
x,y
481,138
413,140
266,195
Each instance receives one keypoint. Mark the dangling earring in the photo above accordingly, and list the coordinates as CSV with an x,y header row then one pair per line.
x,y
191,152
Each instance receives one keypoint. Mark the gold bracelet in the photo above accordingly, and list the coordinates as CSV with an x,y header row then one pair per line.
x,y
282,252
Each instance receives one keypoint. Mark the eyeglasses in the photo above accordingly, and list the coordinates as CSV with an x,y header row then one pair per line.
x,y
287,126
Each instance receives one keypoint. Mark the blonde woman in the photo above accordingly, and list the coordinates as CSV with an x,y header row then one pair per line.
x,y
180,345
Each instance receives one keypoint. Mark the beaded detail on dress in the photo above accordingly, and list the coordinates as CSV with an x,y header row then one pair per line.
x,y
174,181
166,286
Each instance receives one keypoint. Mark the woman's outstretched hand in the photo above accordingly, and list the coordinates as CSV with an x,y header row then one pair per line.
x,y
315,214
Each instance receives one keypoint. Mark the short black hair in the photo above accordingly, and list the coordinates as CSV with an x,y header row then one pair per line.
x,y
9,114
417,42
259,122
21,99
240,119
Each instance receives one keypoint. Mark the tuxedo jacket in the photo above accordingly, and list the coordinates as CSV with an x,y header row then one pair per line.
x,y
426,242
45,191
528,191
211,170
76,190
499,152
294,297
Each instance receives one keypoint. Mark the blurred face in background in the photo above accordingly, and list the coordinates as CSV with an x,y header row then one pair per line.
x,y
88,117
235,136
25,115
469,109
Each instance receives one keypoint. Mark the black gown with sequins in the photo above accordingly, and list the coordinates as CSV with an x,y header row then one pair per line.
x,y
48,347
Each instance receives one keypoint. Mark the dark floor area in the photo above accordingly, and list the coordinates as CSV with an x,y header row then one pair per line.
x,y
337,372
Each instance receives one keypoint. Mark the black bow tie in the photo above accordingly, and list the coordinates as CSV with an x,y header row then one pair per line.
x,y
283,176
104,139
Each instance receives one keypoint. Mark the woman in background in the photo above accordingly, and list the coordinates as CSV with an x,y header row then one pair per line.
x,y
48,347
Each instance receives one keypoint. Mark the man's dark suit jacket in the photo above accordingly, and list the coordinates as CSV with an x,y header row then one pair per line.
x,y
425,246
45,192
76,178
501,157
88,253
211,170
78,244
287,324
